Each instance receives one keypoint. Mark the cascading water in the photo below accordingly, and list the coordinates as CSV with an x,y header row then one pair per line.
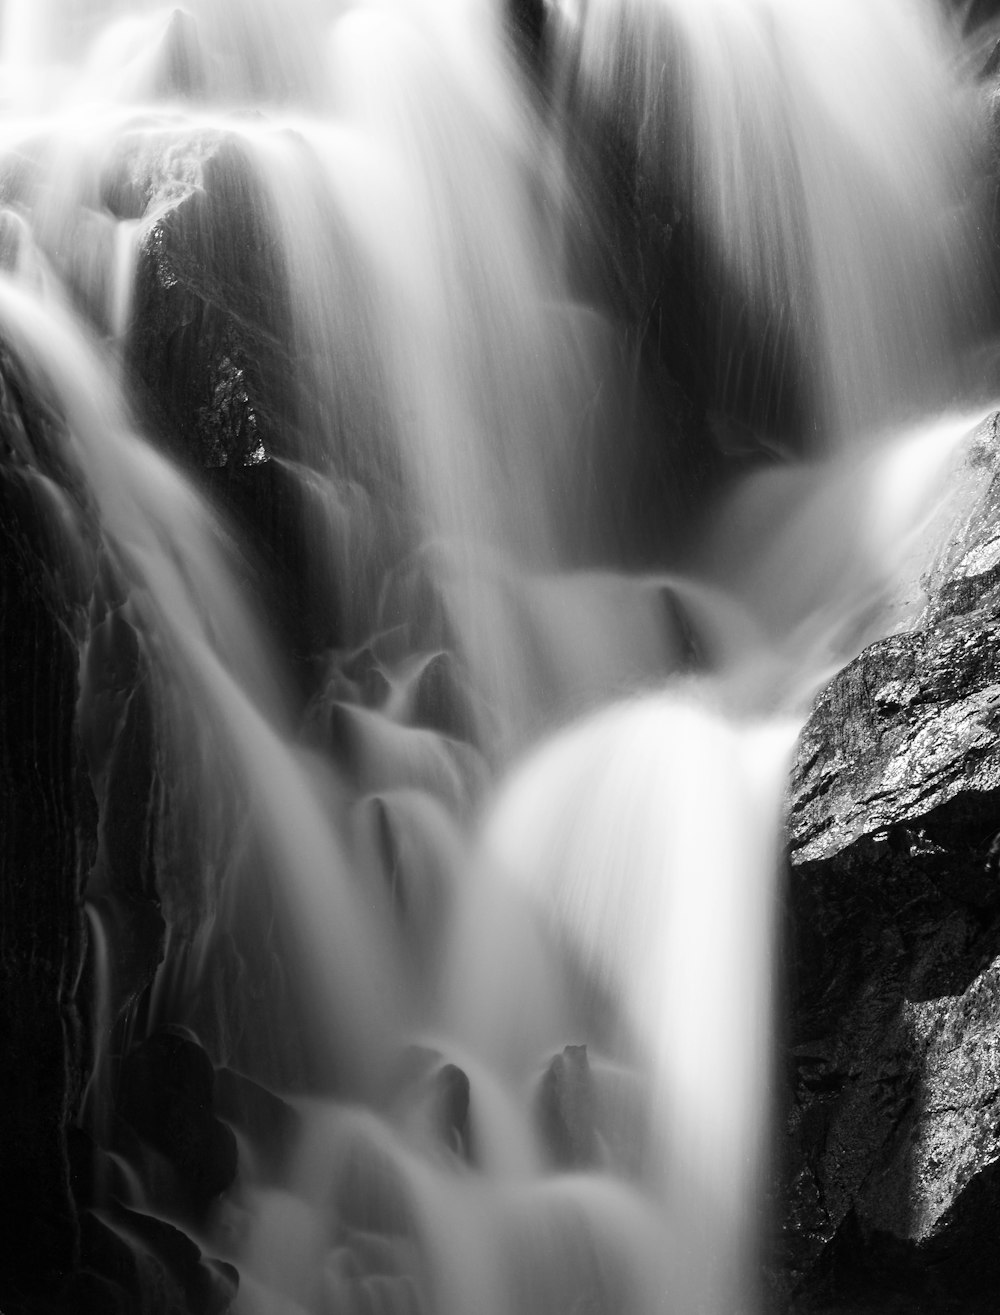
x,y
818,213
369,908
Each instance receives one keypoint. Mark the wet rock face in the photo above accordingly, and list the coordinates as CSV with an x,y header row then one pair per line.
x,y
77,784
232,377
208,310
565,1107
167,1095
47,837
903,729
892,1115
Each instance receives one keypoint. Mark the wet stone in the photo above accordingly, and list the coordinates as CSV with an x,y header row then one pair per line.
x,y
269,1122
439,701
166,1094
133,1262
209,312
890,1144
565,1109
451,1087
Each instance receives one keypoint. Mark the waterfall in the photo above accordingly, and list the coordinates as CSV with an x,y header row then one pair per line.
x,y
467,786
821,215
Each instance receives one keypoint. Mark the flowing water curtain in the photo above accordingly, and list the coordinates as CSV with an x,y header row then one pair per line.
x,y
646,834
487,393
225,741
216,697
486,408
823,151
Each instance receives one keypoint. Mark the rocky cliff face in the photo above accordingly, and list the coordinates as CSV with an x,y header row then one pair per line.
x,y
47,844
891,1135
79,779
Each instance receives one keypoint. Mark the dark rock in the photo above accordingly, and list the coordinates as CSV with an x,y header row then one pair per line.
x,y
208,1286
440,1094
438,700
116,718
892,1135
452,1092
97,1295
721,380
108,1256
565,1107
129,803
976,13
47,835
213,352
209,310
135,1262
268,1122
122,960
902,731
166,1094
526,20
82,1154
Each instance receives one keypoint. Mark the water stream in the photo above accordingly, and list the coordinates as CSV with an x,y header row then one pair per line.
x,y
522,796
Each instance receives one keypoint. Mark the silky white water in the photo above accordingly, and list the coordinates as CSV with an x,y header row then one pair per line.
x,y
583,848
827,165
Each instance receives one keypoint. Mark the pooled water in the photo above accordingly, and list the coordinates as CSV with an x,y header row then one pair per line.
x,y
529,800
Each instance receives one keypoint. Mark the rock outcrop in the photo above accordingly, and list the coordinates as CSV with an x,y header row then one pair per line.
x,y
209,309
892,1117
47,843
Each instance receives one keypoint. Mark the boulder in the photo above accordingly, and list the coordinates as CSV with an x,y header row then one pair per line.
x,y
434,1096
721,380
208,310
166,1093
891,1136
133,1261
214,354
565,1107
269,1124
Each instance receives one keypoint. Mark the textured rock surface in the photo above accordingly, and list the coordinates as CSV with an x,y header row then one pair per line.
x,y
135,1262
77,782
234,372
892,1136
47,833
207,312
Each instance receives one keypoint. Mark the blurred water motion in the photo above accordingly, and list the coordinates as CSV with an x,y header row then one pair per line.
x,y
516,794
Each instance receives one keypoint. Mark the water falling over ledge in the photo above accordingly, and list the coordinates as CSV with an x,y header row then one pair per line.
x,y
455,778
